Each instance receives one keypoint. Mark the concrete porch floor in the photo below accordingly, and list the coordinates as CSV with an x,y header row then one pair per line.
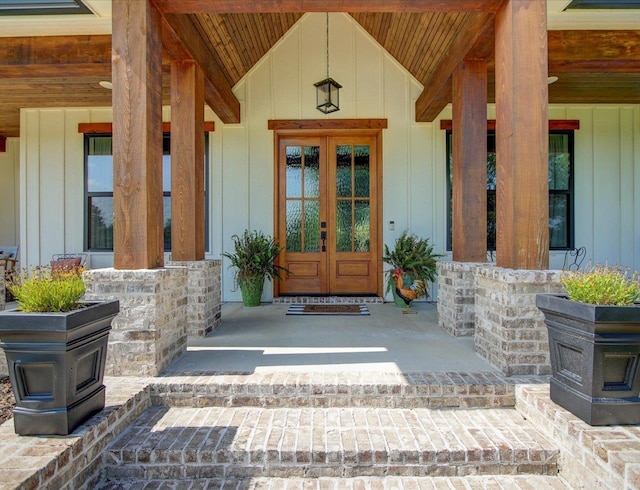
x,y
265,339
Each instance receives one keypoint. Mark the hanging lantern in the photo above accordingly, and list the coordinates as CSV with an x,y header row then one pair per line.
x,y
328,90
328,95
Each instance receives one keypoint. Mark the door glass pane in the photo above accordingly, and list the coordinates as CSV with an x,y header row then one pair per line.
x,y
166,201
344,226
361,161
312,226
311,171
343,176
294,226
294,171
362,240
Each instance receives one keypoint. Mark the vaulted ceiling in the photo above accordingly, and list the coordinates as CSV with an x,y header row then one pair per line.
x,y
593,66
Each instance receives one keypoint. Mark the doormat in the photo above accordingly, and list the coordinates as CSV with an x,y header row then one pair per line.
x,y
328,310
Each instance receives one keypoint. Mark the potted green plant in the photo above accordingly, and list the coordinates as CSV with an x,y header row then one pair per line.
x,y
255,258
56,346
594,343
413,267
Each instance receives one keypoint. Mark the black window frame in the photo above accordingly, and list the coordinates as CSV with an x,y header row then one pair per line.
x,y
491,192
166,147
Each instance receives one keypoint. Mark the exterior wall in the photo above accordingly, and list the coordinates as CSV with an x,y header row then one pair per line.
x,y
9,193
280,86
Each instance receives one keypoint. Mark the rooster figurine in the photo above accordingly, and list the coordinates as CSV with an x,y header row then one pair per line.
x,y
408,293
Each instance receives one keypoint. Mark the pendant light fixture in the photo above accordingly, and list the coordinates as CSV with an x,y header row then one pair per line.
x,y
328,90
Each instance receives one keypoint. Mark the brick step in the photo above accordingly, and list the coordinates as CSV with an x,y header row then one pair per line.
x,y
359,483
218,442
348,389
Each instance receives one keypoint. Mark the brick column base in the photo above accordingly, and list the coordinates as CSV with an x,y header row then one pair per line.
x,y
150,330
203,295
510,330
457,297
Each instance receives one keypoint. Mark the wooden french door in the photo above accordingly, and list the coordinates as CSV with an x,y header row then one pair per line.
x,y
328,210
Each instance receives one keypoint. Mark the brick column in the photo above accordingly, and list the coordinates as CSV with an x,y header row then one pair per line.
x,y
203,295
510,330
457,297
151,329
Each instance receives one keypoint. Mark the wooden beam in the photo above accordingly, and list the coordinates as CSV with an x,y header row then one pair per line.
x,y
557,124
605,51
282,124
522,143
277,6
470,162
107,128
429,104
137,136
218,90
187,162
61,50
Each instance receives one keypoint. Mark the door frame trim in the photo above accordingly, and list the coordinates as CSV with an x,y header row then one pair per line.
x,y
324,128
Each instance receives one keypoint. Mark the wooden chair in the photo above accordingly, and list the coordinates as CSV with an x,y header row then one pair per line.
x,y
68,262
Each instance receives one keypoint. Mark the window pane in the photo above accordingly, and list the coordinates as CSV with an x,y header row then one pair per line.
x,y
558,225
101,222
99,173
166,201
491,220
166,173
559,162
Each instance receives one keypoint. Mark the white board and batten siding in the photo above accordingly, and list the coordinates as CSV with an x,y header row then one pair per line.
x,y
280,86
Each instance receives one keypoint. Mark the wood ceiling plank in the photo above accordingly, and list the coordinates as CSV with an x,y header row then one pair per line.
x,y
458,50
218,93
302,6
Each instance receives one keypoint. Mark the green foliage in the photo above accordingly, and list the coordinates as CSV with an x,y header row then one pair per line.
x,y
414,256
603,285
255,256
38,290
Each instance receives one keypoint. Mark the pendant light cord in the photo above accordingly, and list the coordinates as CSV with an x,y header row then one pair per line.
x,y
327,44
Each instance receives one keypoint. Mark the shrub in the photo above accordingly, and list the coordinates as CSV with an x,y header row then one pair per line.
x,y
40,290
603,285
255,256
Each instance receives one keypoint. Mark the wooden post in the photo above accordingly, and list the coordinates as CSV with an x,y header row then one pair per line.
x,y
187,161
522,135
137,135
470,162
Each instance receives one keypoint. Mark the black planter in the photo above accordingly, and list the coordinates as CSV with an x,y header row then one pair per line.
x,y
56,365
595,359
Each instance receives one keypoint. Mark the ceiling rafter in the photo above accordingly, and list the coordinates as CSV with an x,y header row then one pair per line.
x,y
438,86
218,89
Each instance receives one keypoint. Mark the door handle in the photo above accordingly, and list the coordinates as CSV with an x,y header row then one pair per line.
x,y
323,237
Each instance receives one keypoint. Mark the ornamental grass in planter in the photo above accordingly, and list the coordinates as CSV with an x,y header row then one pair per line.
x,y
594,342
55,346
